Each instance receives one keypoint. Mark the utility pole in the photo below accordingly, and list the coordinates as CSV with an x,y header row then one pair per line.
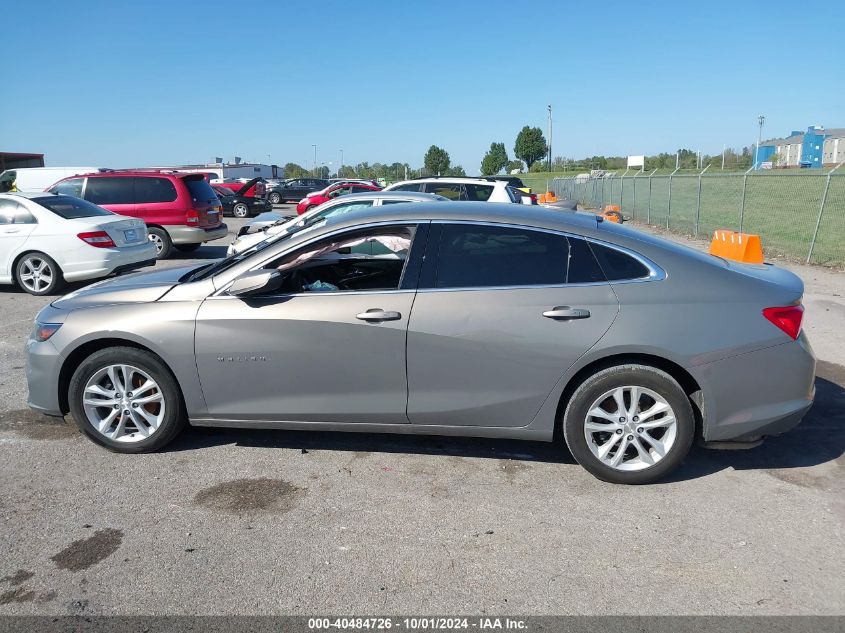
x,y
761,120
341,164
315,158
723,157
550,137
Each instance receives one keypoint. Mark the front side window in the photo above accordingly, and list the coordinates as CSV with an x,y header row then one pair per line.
x,y
71,208
148,190
110,190
361,260
340,191
72,187
12,212
477,256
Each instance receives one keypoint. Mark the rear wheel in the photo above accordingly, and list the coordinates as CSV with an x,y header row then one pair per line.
x,y
187,248
275,198
38,274
240,210
162,240
127,400
629,424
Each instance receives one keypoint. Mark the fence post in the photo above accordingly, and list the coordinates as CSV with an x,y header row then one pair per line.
x,y
648,211
669,210
698,205
742,208
821,211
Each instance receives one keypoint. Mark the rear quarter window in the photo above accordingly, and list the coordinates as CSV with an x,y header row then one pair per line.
x,y
618,266
199,189
479,193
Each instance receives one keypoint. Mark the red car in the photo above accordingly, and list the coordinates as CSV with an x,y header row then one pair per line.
x,y
255,191
333,191
180,210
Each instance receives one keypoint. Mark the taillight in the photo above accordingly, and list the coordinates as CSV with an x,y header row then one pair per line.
x,y
787,319
100,239
193,217
533,198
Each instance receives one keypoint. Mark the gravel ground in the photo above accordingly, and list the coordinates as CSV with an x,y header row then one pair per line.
x,y
249,522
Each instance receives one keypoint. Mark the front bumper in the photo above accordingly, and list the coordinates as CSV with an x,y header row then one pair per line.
x,y
766,392
42,377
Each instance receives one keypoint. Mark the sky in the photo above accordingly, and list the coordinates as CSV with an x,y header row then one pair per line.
x,y
156,82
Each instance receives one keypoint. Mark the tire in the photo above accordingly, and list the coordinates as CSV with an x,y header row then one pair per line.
x,y
240,210
187,248
275,198
639,437
169,410
38,274
162,240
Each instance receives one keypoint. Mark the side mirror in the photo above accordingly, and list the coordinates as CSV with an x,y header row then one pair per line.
x,y
255,282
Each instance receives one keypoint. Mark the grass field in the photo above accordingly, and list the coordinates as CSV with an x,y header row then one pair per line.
x,y
782,208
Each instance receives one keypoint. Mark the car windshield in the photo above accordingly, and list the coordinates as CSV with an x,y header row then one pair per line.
x,y
71,208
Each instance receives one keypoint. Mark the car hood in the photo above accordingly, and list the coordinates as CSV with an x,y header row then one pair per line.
x,y
135,288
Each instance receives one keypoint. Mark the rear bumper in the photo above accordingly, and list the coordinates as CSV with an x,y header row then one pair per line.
x,y
110,260
761,393
180,234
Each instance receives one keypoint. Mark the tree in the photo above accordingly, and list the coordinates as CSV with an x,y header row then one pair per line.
x,y
292,170
530,145
515,165
494,160
455,172
436,160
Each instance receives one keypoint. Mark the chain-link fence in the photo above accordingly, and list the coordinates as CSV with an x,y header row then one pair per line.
x,y
798,215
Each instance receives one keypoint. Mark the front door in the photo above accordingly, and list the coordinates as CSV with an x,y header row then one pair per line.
x,y
16,225
495,323
329,346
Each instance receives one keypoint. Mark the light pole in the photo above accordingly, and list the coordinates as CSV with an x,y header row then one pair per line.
x,y
761,120
550,137
315,158
341,164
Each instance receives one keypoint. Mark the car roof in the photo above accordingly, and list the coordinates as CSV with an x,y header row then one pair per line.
x,y
459,179
139,172
29,194
391,195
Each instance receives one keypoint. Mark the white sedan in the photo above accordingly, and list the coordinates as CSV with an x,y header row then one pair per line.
x,y
48,239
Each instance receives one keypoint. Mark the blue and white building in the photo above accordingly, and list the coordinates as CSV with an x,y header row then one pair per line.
x,y
814,148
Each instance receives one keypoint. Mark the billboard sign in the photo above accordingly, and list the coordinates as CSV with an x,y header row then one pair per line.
x,y
636,161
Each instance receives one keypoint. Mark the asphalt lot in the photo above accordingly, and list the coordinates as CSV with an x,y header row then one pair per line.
x,y
251,522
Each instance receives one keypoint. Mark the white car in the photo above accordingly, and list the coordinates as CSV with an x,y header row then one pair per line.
x,y
269,224
48,239
465,189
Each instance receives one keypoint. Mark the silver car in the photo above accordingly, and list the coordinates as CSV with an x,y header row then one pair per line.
x,y
464,318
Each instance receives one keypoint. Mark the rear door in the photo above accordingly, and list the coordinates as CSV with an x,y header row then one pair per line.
x,y
115,193
495,323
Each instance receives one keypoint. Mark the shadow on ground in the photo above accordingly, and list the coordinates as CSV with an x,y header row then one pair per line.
x,y
819,439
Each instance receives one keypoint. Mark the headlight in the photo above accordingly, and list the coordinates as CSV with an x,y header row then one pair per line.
x,y
44,331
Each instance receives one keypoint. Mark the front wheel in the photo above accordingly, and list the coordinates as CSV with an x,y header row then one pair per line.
x,y
38,274
162,240
127,400
629,424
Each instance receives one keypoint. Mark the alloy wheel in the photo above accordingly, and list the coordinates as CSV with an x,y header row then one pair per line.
x,y
240,210
123,403
630,428
155,239
36,274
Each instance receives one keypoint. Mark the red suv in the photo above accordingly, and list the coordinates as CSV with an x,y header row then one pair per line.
x,y
181,210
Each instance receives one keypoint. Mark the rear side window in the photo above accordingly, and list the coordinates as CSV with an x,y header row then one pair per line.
x,y
70,208
110,190
583,267
450,191
478,193
485,256
360,189
149,190
411,186
199,189
72,187
618,266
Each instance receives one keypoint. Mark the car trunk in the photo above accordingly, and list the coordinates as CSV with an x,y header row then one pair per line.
x,y
207,211
123,231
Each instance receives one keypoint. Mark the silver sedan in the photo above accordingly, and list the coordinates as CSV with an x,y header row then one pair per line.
x,y
465,319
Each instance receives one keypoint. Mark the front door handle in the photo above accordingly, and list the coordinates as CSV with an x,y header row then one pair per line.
x,y
377,314
12,231
565,313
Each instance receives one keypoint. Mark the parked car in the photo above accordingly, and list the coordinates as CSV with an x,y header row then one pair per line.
x,y
47,240
181,210
513,181
235,203
38,178
257,189
468,319
295,189
270,224
333,191
464,189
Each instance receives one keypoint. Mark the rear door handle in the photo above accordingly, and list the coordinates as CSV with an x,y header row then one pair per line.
x,y
565,313
377,314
